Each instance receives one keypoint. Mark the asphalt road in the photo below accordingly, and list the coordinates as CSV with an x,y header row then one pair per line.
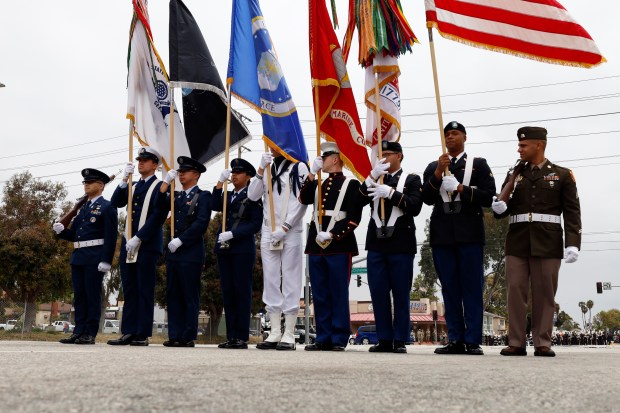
x,y
52,377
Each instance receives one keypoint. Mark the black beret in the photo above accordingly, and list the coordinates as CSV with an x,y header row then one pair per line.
x,y
238,165
454,125
188,164
148,153
532,132
90,174
391,146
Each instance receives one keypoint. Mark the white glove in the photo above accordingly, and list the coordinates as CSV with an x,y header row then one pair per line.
x,y
174,244
170,176
317,165
225,236
104,267
571,254
323,236
499,207
379,169
129,168
265,160
277,235
58,227
380,191
224,175
132,245
449,183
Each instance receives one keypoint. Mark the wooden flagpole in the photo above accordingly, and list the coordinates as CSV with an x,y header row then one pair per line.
x,y
437,95
172,184
272,214
379,139
319,207
226,159
128,220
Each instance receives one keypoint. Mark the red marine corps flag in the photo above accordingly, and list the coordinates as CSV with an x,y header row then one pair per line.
x,y
535,29
334,103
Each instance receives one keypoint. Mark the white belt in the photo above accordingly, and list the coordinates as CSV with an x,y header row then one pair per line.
x,y
534,217
89,243
330,213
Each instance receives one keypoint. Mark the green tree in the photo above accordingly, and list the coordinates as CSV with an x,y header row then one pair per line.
x,y
608,320
590,304
35,266
565,322
426,283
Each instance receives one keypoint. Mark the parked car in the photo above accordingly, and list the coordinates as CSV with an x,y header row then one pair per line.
x,y
9,325
160,328
352,339
111,327
60,325
366,335
300,336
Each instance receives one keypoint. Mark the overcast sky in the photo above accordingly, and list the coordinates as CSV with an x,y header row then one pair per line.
x,y
63,108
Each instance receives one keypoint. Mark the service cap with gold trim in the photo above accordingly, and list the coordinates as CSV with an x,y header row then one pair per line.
x,y
188,164
90,175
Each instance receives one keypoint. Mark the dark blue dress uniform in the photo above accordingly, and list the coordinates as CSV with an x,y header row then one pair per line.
x,y
184,266
457,240
138,279
94,221
390,260
330,268
244,219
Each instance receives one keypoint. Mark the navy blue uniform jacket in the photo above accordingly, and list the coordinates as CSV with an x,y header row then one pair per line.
x,y
249,224
99,221
151,234
466,227
190,230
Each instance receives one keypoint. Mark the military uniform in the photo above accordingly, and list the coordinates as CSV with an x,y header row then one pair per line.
x,y
457,240
93,232
330,267
390,259
236,263
534,245
138,278
192,213
282,268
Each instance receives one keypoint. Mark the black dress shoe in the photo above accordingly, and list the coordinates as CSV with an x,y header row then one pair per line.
x,y
285,346
474,349
337,348
318,347
139,341
451,348
235,344
267,345
170,343
189,343
399,347
224,344
123,341
85,339
383,346
69,340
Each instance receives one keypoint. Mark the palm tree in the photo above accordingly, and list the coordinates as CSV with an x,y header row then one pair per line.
x,y
581,306
584,311
590,304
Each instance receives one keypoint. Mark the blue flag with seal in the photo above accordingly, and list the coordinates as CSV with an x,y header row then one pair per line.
x,y
256,78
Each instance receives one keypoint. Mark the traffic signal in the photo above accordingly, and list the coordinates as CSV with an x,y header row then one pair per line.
x,y
359,280
599,288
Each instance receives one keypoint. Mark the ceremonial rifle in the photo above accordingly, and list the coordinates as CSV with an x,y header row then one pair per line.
x,y
516,170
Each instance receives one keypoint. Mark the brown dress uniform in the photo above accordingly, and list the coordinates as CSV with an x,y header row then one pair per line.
x,y
534,245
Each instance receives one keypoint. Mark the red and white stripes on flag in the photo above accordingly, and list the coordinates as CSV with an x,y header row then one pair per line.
x,y
535,29
387,71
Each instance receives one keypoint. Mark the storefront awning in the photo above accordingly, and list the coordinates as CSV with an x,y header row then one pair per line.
x,y
418,318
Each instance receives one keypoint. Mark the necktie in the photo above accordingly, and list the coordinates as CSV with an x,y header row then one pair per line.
x,y
139,184
388,178
232,198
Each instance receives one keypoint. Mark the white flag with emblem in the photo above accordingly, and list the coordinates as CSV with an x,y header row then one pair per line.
x,y
148,102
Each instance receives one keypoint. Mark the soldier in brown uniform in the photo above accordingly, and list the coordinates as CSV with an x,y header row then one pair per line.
x,y
543,191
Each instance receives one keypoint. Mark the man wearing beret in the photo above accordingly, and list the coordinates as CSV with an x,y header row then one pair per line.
x,y
391,246
186,251
534,246
331,245
140,251
93,232
282,248
457,237
236,250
